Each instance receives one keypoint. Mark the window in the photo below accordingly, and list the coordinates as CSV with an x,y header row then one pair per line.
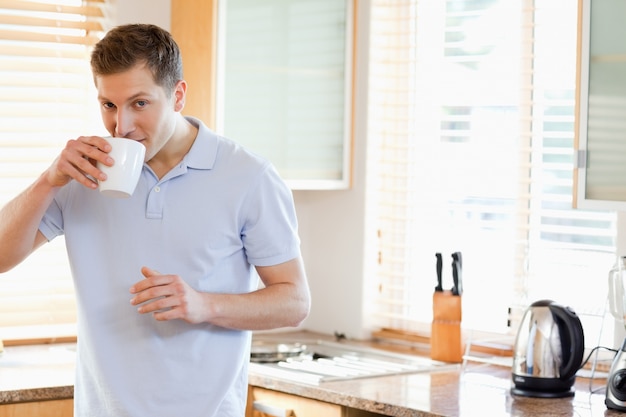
x,y
46,92
471,128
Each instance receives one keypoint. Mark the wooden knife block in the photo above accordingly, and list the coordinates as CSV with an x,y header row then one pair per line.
x,y
445,337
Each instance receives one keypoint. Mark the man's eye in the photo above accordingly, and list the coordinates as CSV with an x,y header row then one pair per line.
x,y
108,105
141,103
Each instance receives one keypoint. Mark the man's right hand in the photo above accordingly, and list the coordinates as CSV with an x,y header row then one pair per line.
x,y
78,161
20,217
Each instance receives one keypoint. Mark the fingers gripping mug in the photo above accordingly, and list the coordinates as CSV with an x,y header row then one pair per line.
x,y
123,176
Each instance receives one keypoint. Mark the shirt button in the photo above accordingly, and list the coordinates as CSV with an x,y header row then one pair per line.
x,y
157,189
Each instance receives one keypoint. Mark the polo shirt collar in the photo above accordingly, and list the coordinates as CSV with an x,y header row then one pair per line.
x,y
203,152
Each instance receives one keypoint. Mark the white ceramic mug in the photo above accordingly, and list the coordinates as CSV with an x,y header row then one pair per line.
x,y
123,176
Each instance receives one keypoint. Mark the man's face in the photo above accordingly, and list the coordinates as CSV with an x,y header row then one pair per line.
x,y
133,106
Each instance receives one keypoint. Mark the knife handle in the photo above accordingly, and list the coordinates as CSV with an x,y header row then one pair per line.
x,y
439,286
456,273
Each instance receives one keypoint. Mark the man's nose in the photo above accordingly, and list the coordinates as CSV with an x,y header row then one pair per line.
x,y
125,123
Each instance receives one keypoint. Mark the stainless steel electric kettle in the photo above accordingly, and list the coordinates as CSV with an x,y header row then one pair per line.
x,y
548,351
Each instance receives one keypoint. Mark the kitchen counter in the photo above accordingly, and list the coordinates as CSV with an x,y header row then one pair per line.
x,y
46,372
476,389
36,373
471,392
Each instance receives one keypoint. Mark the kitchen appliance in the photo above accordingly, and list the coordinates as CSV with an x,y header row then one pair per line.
x,y
616,381
548,351
325,361
268,352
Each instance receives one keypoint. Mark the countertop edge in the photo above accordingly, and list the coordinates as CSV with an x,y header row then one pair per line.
x,y
333,394
36,394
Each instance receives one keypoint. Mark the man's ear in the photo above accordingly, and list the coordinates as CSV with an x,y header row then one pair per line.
x,y
180,93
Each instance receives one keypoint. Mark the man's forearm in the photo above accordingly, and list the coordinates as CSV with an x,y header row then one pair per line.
x,y
19,223
282,305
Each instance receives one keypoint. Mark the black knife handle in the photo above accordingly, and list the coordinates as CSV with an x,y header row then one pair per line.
x,y
439,286
457,268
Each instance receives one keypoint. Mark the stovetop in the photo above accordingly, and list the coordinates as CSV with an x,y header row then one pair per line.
x,y
323,361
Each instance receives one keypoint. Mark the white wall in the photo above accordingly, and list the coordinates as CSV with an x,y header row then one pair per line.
x,y
333,226
122,12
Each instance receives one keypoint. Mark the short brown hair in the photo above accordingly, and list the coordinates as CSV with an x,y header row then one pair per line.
x,y
125,46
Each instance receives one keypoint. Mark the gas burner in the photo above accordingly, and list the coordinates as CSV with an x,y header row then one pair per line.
x,y
321,361
266,352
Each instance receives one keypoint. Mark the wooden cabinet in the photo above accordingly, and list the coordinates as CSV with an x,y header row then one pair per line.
x,y
284,75
53,408
601,162
263,402
277,77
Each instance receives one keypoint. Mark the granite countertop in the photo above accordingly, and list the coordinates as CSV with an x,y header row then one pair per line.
x,y
473,389
37,373
476,390
46,372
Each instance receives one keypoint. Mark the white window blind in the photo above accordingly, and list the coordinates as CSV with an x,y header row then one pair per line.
x,y
46,97
471,127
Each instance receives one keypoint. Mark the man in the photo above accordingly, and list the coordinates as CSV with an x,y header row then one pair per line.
x,y
183,249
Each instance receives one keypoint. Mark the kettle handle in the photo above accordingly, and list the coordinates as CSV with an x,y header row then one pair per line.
x,y
575,337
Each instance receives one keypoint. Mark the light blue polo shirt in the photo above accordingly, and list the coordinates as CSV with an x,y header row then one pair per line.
x,y
220,211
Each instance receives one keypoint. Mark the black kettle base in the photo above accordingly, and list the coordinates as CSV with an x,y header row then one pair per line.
x,y
542,394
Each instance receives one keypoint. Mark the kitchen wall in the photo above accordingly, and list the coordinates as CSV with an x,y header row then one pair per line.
x,y
332,223
121,12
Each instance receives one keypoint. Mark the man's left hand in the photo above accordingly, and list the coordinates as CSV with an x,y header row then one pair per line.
x,y
167,297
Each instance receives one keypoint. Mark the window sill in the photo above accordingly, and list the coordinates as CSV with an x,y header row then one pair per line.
x,y
38,335
404,341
